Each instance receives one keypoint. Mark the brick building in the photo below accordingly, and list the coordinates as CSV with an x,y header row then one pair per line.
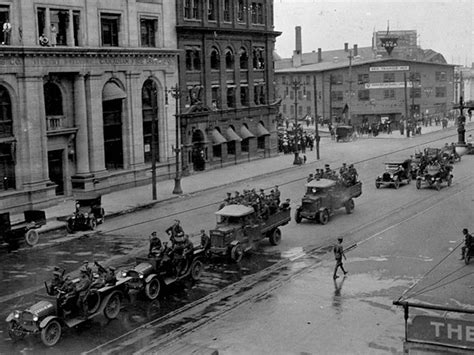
x,y
227,104
360,85
79,83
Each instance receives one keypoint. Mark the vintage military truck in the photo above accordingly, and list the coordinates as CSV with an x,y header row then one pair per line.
x,y
239,229
324,196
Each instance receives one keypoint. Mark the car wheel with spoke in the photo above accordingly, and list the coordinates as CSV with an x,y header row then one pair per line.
x,y
323,217
152,289
112,308
236,253
32,237
275,237
51,333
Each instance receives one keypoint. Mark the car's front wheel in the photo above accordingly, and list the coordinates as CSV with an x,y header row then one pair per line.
x,y
275,237
323,217
51,333
112,308
15,331
152,289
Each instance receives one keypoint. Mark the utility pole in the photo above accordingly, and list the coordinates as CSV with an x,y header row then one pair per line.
x,y
176,94
350,88
330,98
153,144
296,86
406,105
316,117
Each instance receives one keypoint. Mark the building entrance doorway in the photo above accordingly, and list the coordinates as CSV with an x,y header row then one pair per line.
x,y
55,167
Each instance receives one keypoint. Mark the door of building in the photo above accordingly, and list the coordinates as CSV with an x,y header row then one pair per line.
x,y
55,166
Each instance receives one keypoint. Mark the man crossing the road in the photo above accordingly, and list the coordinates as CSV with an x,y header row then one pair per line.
x,y
338,255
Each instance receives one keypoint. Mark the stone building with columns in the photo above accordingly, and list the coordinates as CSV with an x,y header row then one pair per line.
x,y
227,100
80,81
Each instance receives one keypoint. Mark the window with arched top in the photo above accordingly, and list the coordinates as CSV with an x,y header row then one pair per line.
x,y
229,59
53,105
150,111
243,59
215,59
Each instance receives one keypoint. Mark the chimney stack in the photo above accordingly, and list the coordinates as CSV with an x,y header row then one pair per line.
x,y
320,56
355,50
346,47
298,48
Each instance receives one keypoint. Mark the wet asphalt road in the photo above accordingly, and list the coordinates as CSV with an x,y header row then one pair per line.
x,y
30,268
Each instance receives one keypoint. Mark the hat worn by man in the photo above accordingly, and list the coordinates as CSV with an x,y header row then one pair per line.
x,y
340,239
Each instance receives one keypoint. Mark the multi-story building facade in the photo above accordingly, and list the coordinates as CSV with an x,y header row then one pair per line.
x,y
227,99
359,85
80,81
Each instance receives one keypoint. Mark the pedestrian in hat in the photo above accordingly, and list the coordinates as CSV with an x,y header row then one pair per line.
x,y
338,255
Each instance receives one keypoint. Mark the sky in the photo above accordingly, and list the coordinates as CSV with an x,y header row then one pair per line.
x,y
444,26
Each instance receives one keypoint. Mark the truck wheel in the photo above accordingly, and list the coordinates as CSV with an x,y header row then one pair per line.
x,y
51,333
236,253
275,237
323,217
349,206
298,217
196,270
15,331
438,185
418,184
32,237
92,223
112,308
152,289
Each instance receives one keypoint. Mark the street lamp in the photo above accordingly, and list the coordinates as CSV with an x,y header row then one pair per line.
x,y
296,85
176,94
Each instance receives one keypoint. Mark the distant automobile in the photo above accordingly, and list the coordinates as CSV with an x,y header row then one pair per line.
x,y
395,174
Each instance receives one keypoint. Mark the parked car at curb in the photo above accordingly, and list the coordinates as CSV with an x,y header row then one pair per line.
x,y
88,213
25,230
395,174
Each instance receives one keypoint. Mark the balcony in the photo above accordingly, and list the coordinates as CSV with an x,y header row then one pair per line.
x,y
58,125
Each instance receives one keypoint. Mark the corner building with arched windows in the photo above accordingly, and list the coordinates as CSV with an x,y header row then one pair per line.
x,y
227,101
80,81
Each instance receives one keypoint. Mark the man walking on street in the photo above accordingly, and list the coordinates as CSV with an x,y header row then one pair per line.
x,y
338,255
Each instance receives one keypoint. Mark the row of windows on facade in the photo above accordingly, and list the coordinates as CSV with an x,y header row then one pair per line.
x,y
438,108
194,10
62,27
196,93
338,79
194,55
364,95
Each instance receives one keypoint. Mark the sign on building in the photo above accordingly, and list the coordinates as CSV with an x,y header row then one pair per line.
x,y
443,331
394,85
391,68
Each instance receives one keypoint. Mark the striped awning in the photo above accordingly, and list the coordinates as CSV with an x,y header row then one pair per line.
x,y
112,92
262,131
245,133
217,138
232,136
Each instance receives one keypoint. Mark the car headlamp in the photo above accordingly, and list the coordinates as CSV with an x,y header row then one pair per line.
x,y
16,314
140,276
86,215
35,318
124,274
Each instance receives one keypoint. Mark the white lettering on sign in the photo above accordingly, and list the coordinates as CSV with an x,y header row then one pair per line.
x,y
391,68
394,85
437,325
469,333
454,332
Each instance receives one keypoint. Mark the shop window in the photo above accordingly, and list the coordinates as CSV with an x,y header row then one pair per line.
x,y
364,95
231,147
217,150
6,120
193,58
148,29
7,165
110,27
229,59
215,59
243,59
231,97
258,58
244,145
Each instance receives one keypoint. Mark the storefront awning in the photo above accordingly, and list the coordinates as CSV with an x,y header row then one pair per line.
x,y
231,135
217,138
262,131
245,133
112,92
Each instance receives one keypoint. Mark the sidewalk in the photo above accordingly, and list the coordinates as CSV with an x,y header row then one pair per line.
x,y
130,200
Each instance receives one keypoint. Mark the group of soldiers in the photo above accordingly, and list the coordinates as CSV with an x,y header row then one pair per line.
x,y
65,288
263,204
347,174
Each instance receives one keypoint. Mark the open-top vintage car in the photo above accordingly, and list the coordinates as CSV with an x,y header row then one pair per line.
x,y
88,213
435,175
345,133
57,310
449,155
239,230
395,173
12,234
324,196
152,273
432,154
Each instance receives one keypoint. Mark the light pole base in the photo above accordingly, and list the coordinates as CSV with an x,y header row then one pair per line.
x,y
297,160
177,186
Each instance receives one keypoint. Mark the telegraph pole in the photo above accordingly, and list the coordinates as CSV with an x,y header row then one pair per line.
x,y
316,119
296,86
406,105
